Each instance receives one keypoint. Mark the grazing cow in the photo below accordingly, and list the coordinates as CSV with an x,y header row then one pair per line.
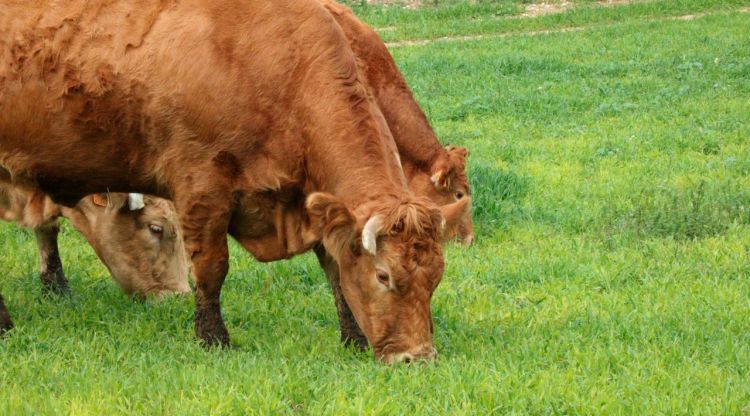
x,y
431,170
136,237
251,116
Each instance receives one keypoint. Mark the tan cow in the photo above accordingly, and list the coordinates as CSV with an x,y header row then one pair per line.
x,y
136,237
251,116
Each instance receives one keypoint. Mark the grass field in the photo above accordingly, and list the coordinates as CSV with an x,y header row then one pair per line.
x,y
611,170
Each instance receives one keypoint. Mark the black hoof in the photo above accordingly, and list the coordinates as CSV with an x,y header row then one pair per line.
x,y
5,323
54,284
357,341
210,329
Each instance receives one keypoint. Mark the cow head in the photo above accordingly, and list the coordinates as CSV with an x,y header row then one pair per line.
x,y
138,238
390,262
446,185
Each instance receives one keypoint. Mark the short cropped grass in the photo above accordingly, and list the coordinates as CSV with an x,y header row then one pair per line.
x,y
611,273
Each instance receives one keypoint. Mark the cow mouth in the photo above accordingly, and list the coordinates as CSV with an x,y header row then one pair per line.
x,y
467,240
421,354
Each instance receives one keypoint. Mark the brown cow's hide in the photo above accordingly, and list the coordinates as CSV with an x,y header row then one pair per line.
x,y
250,115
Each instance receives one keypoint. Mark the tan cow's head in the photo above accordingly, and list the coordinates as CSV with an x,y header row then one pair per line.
x,y
390,263
137,238
447,184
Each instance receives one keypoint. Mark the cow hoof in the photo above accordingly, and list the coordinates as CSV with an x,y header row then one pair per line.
x,y
5,327
357,341
5,323
211,332
54,284
214,339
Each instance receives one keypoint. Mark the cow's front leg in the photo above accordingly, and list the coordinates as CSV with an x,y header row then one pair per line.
x,y
50,266
205,218
351,333
5,323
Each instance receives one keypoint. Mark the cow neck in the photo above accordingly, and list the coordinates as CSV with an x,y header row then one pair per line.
x,y
416,141
362,169
368,186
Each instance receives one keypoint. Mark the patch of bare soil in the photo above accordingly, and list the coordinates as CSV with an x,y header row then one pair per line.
x,y
408,4
540,9
614,2
417,42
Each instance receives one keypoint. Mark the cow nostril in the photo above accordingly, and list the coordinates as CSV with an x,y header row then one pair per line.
x,y
405,358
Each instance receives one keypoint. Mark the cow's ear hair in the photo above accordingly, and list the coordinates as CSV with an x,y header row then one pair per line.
x,y
453,215
457,151
332,221
100,200
112,200
448,166
118,201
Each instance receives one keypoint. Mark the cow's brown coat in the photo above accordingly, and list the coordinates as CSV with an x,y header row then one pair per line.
x,y
238,111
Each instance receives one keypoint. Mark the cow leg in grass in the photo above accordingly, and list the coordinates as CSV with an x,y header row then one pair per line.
x,y
351,334
205,220
5,323
50,266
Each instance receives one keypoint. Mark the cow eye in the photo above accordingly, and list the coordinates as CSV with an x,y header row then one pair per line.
x,y
459,195
383,278
156,230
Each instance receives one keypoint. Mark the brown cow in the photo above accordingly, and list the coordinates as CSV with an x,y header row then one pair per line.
x,y
431,170
136,237
249,115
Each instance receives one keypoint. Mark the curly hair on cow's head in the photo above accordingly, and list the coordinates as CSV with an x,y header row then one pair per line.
x,y
418,217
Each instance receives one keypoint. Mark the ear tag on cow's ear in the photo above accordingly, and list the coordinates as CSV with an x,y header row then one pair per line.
x,y
100,200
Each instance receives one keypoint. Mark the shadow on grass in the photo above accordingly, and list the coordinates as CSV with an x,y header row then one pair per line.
x,y
496,198
701,210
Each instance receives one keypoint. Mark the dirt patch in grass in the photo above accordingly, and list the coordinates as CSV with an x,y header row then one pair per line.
x,y
540,9
417,42
408,4
615,2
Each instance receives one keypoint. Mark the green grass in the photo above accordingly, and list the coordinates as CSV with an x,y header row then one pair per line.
x,y
501,16
611,174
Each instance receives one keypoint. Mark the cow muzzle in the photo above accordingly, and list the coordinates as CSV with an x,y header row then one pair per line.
x,y
468,240
422,353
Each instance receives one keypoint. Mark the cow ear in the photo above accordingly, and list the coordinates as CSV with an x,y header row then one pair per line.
x,y
332,221
100,200
112,200
441,179
448,166
453,216
457,151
